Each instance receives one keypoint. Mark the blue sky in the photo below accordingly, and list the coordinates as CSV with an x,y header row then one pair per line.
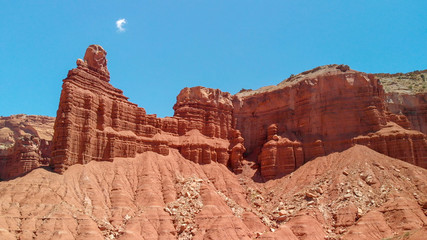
x,y
169,45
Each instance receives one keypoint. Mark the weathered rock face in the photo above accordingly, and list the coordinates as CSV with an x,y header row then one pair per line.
x,y
95,59
326,104
96,122
318,112
25,142
207,110
406,95
397,142
279,156
237,149
413,106
16,126
28,153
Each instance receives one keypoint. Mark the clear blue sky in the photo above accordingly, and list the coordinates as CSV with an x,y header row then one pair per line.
x,y
169,45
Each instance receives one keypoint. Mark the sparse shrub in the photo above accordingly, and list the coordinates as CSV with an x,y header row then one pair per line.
x,y
244,90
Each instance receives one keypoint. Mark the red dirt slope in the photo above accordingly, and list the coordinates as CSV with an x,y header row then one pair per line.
x,y
355,194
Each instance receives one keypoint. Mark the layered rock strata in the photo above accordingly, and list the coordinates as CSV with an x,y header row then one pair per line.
x,y
207,110
413,106
25,142
96,122
279,155
406,93
326,109
317,112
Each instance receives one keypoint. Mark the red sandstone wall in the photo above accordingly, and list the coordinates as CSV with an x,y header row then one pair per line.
x,y
324,110
331,106
25,142
317,112
207,110
96,122
414,107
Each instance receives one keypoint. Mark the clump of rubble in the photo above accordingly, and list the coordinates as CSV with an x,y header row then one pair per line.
x,y
235,208
187,204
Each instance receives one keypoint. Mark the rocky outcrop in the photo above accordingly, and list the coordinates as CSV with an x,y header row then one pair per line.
x,y
96,122
325,104
28,152
237,149
413,106
25,142
315,113
207,110
16,126
324,110
397,142
279,155
406,94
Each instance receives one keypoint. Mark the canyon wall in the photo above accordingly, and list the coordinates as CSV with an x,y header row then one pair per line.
x,y
324,110
312,114
96,122
25,142
413,106
406,94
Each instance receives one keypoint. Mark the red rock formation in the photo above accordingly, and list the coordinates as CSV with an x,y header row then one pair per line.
x,y
414,107
237,149
317,112
279,156
326,104
149,189
96,122
25,142
25,155
207,110
325,109
397,142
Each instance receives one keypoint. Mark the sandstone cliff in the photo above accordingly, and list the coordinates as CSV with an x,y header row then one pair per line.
x,y
96,122
25,142
406,93
317,112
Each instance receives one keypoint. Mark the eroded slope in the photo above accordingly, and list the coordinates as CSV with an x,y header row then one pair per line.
x,y
168,197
